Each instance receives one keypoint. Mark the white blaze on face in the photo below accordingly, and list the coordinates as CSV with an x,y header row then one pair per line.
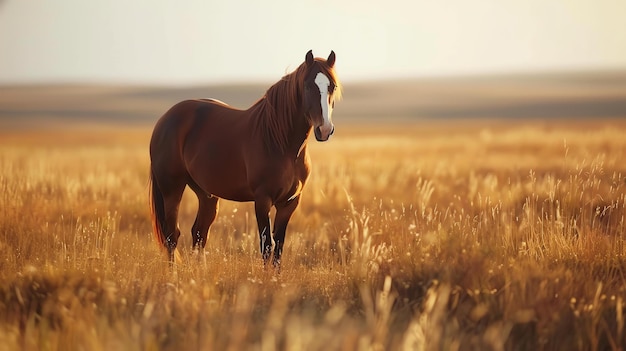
x,y
323,83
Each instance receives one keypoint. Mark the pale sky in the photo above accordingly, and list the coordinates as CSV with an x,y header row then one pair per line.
x,y
207,41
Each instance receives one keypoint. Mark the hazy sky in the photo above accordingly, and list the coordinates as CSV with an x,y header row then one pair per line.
x,y
207,41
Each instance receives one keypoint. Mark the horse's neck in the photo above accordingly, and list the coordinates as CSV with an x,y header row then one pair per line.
x,y
304,142
299,134
290,140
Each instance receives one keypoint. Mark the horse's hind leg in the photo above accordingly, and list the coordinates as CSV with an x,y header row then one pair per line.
x,y
172,195
207,211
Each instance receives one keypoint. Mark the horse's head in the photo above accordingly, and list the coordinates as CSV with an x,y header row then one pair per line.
x,y
321,89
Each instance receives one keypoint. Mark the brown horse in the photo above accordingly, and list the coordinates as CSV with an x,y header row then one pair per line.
x,y
258,154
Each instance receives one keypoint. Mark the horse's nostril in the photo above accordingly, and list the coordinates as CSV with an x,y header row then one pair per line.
x,y
332,131
318,133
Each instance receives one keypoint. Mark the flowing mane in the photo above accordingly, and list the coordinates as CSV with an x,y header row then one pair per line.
x,y
280,104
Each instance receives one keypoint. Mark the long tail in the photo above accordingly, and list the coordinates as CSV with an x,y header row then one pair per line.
x,y
157,207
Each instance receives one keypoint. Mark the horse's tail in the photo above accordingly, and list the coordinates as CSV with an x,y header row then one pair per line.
x,y
157,207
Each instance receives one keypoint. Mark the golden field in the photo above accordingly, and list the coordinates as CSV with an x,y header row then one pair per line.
x,y
449,235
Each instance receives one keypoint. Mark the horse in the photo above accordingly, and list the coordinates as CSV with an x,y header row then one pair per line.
x,y
258,154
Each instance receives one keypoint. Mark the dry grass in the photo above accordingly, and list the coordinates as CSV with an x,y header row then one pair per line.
x,y
434,236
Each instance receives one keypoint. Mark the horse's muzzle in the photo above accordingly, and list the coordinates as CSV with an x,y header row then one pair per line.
x,y
319,136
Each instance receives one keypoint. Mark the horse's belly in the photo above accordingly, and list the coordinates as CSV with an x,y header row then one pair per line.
x,y
227,183
240,194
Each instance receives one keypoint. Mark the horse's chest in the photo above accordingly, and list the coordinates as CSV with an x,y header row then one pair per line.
x,y
285,180
295,183
290,172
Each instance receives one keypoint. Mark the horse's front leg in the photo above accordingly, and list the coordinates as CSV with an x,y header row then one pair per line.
x,y
262,206
283,214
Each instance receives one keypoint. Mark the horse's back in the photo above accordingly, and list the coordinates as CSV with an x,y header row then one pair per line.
x,y
173,128
186,116
203,141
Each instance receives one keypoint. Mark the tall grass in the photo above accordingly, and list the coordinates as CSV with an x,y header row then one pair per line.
x,y
434,236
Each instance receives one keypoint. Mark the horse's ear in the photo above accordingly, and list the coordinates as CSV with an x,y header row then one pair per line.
x,y
331,59
309,58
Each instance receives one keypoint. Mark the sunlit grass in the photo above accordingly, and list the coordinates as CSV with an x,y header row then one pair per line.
x,y
428,236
